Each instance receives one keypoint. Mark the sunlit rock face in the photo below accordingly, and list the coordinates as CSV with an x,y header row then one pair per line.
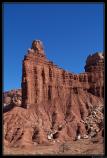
x,y
56,104
43,81
95,68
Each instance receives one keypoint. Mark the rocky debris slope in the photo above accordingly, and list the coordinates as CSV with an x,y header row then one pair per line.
x,y
94,122
56,105
11,99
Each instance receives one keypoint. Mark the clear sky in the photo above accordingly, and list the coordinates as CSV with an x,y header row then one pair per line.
x,y
70,32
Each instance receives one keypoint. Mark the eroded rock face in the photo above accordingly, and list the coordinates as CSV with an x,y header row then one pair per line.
x,y
95,68
55,103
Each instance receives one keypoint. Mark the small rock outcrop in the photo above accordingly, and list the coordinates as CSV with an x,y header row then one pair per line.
x,y
56,104
11,99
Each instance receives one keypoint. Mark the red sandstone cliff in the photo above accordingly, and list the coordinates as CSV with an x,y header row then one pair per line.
x,y
56,104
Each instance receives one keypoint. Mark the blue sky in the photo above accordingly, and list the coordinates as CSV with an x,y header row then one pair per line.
x,y
70,32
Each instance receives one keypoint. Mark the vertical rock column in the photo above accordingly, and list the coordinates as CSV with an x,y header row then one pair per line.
x,y
32,79
28,84
39,84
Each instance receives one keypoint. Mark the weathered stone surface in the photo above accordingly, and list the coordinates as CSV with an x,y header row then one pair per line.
x,y
56,104
11,99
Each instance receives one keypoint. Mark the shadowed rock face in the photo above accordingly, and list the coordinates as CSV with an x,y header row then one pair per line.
x,y
56,104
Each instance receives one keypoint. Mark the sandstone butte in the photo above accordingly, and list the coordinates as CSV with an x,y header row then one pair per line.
x,y
55,105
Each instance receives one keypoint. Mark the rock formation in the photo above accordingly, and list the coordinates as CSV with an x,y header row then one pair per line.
x,y
11,99
56,104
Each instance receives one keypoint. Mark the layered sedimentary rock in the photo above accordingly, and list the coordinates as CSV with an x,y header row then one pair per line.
x,y
56,103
